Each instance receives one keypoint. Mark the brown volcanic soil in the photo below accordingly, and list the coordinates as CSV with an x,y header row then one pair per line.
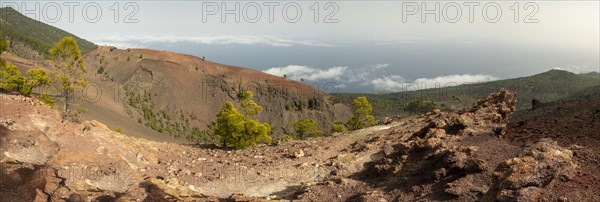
x,y
184,83
179,82
438,156
573,124
42,158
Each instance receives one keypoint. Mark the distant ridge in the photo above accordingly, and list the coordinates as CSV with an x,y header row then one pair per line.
x,y
548,86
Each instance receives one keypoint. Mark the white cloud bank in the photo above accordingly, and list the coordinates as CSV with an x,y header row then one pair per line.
x,y
380,66
396,83
389,83
375,76
115,40
297,72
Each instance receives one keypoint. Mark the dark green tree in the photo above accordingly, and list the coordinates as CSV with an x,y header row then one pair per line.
x,y
305,128
239,130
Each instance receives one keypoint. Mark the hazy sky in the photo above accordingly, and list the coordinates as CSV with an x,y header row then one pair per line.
x,y
358,45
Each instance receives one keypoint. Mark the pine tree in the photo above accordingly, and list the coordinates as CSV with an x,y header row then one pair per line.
x,y
362,114
305,128
68,74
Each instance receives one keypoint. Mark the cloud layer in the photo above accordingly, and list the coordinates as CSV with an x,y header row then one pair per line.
x,y
297,72
374,77
396,83
137,40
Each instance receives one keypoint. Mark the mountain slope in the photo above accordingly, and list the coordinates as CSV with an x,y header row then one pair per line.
x,y
587,93
181,94
546,87
30,38
159,95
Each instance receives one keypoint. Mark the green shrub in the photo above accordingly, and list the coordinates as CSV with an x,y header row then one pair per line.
x,y
305,128
239,129
36,77
3,45
100,70
119,130
312,103
10,78
46,99
362,114
338,127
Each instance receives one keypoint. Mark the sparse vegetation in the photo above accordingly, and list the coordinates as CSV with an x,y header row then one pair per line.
x,y
34,34
362,117
239,129
119,130
12,80
10,77
162,120
305,128
420,106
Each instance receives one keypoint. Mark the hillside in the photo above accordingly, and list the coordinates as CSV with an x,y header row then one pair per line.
x,y
160,95
591,75
586,93
546,87
30,38
148,81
